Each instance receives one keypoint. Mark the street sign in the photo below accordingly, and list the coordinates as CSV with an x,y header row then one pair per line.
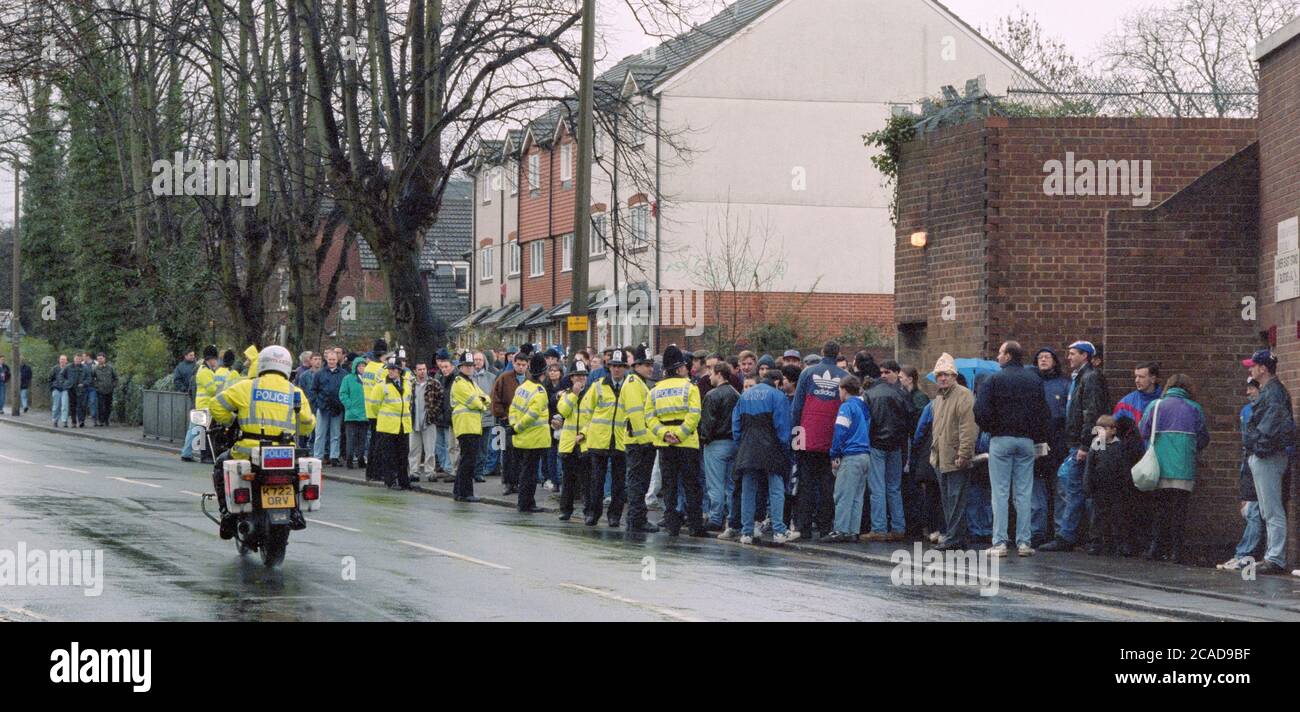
x,y
1286,264
578,323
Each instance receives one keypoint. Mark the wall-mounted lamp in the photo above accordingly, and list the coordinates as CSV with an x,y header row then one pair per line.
x,y
919,239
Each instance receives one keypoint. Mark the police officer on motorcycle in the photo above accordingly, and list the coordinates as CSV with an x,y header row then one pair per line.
x,y
265,406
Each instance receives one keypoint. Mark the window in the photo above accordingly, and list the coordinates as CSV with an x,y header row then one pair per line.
x,y
599,233
566,253
639,227
566,164
513,257
536,258
461,274
485,264
485,186
535,173
512,177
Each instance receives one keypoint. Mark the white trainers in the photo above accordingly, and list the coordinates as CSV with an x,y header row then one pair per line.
x,y
548,486
1025,550
999,551
746,540
1235,564
729,534
934,537
780,538
1296,572
767,526
790,535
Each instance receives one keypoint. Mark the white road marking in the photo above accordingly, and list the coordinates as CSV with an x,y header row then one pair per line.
x,y
14,459
667,612
331,524
192,494
454,555
29,614
69,469
135,482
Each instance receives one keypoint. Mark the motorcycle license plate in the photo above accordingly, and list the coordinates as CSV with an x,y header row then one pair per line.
x,y
277,497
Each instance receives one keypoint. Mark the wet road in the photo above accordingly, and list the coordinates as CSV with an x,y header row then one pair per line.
x,y
372,554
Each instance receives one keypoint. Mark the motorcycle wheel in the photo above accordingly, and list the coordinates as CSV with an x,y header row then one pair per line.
x,y
273,546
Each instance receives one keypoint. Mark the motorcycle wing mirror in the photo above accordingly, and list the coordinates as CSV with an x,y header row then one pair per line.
x,y
201,418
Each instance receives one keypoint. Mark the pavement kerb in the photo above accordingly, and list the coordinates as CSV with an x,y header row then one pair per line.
x,y
824,551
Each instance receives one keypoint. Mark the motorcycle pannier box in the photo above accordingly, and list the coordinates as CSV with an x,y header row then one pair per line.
x,y
309,473
233,471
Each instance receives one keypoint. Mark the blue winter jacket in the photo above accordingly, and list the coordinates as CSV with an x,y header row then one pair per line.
x,y
852,429
1133,405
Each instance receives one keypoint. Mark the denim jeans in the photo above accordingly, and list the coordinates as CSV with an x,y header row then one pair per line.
x,y
1253,536
850,490
59,406
1011,474
1071,500
92,404
22,395
187,450
328,427
749,497
979,507
488,455
1040,526
719,460
442,449
551,466
1268,473
887,492
4,391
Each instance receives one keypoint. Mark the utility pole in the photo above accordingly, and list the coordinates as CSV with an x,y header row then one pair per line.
x,y
582,209
15,370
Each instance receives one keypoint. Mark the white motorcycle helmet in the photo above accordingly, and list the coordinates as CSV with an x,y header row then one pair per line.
x,y
275,358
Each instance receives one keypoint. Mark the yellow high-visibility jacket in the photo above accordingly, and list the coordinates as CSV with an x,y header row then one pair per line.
x,y
599,410
674,406
630,418
373,374
250,354
222,379
393,412
530,417
468,403
264,406
570,409
205,387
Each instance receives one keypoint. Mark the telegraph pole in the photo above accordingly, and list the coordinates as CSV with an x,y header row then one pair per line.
x,y
582,209
15,370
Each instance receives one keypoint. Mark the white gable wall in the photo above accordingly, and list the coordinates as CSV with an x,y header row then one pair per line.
x,y
790,98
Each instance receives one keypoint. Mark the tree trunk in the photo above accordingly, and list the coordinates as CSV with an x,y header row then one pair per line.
x,y
418,329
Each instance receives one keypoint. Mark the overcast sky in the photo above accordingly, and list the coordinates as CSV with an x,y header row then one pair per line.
x,y
1080,25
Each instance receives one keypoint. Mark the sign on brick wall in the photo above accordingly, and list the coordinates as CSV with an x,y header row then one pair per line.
x,y
1286,266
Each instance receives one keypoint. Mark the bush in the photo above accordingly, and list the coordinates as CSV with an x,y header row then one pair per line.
x,y
772,338
860,336
142,361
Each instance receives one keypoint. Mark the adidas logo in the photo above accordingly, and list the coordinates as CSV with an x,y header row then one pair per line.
x,y
826,382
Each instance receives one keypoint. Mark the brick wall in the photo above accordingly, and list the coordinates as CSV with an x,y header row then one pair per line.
x,y
546,215
1173,287
1045,279
1279,150
943,185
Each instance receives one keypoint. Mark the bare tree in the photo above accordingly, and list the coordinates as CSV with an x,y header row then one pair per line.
x,y
1192,58
737,256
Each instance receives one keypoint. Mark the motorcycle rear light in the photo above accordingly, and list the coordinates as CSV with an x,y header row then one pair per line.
x,y
278,479
243,496
247,478
311,493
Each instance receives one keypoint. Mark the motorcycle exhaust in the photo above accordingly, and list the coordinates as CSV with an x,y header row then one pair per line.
x,y
245,528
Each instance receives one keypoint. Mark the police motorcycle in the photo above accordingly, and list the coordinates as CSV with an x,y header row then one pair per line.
x,y
268,492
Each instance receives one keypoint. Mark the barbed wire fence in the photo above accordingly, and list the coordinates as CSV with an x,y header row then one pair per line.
x,y
1120,97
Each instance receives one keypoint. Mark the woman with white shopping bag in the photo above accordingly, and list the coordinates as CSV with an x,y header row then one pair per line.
x,y
1175,431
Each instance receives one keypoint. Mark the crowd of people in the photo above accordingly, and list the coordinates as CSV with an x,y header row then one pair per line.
x,y
80,388
1030,457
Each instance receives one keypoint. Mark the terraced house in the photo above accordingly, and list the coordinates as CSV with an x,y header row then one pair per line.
x,y
739,149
